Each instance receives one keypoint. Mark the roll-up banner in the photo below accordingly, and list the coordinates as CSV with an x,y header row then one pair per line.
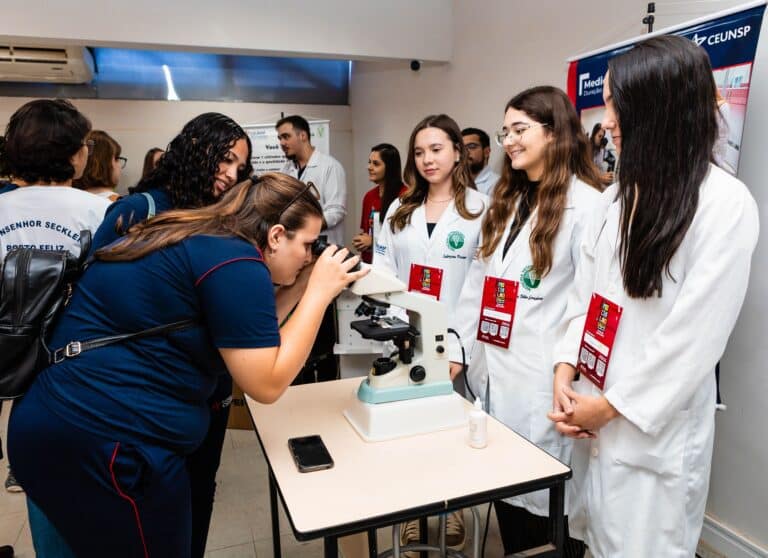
x,y
730,39
267,155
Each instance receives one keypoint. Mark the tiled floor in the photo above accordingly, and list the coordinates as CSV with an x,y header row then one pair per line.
x,y
240,527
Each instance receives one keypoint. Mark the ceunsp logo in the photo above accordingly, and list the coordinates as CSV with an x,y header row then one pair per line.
x,y
722,36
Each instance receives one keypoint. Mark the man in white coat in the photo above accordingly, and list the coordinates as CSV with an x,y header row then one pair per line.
x,y
308,164
478,146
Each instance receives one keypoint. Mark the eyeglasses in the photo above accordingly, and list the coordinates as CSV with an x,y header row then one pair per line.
x,y
122,160
89,144
309,186
516,132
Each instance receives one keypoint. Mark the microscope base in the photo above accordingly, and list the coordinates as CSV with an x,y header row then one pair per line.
x,y
368,394
398,419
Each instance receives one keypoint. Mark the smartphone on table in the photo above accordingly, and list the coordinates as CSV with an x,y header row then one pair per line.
x,y
309,453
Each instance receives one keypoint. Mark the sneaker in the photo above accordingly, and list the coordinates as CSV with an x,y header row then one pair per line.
x,y
11,484
455,533
410,533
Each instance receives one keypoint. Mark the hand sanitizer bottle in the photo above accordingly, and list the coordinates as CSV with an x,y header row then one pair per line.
x,y
478,426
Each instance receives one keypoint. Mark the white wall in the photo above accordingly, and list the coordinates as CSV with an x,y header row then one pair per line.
x,y
140,125
502,47
738,494
330,28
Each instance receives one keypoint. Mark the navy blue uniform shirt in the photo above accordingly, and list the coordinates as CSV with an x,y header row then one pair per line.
x,y
154,390
133,209
7,187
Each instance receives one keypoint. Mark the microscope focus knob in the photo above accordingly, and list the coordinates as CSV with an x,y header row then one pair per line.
x,y
418,373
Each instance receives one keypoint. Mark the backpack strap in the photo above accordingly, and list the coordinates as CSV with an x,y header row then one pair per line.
x,y
74,348
85,246
150,203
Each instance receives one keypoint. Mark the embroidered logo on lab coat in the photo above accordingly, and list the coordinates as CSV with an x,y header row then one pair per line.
x,y
455,240
529,279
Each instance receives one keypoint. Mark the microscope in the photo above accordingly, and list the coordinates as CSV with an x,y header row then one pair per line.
x,y
410,391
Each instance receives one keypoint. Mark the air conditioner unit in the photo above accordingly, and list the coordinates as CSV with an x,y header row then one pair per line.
x,y
44,64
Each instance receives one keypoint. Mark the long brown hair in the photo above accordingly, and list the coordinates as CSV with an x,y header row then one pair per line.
x,y
568,154
149,162
98,170
248,210
418,187
393,177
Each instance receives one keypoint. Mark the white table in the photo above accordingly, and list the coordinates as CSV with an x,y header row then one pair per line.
x,y
378,484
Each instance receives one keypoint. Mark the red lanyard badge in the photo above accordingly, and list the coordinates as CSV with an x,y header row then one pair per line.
x,y
497,311
597,340
426,280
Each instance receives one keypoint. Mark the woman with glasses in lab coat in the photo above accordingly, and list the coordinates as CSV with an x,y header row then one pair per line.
x,y
515,296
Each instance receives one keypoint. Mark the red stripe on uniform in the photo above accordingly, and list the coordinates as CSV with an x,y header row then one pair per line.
x,y
217,266
130,500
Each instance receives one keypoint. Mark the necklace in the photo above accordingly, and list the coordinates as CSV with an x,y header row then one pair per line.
x,y
438,201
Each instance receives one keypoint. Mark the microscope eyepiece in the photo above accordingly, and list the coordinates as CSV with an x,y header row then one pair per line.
x,y
321,243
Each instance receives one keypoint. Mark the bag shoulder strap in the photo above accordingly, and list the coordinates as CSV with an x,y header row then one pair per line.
x,y
150,203
74,348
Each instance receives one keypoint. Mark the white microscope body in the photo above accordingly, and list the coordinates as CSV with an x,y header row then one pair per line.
x,y
409,392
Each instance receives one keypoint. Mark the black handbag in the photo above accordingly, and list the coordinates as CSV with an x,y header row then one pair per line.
x,y
35,287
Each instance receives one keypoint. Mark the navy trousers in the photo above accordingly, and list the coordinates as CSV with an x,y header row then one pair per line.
x,y
105,497
203,464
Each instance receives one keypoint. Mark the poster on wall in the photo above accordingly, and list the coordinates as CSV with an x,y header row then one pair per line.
x,y
267,155
730,39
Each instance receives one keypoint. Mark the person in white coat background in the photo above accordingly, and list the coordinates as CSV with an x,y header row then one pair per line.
x,y
430,235
531,235
667,263
306,163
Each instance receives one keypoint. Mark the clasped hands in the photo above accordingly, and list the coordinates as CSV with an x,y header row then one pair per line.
x,y
577,415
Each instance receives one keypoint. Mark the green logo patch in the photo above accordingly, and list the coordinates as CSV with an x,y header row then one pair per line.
x,y
529,279
455,240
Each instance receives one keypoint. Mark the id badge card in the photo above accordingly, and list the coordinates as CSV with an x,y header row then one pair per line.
x,y
426,280
497,311
597,340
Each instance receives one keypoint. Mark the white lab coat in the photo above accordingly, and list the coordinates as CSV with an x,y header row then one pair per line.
x,y
397,251
646,475
327,174
516,383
